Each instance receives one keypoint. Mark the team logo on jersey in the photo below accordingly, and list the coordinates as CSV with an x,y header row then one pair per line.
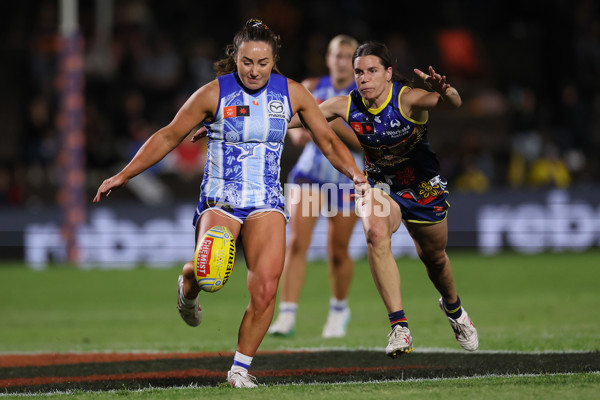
x,y
275,109
363,128
236,111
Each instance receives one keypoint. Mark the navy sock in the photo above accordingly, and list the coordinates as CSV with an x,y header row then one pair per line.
x,y
453,310
398,318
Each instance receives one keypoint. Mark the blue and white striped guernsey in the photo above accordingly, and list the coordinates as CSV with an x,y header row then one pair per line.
x,y
245,144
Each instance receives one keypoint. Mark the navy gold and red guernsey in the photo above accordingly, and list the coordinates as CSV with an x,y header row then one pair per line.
x,y
397,151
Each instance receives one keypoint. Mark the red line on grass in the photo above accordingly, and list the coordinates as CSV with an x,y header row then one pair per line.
x,y
4,383
47,359
41,360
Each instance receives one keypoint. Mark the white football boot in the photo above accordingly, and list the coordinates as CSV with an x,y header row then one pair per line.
x,y
400,342
284,324
192,315
240,379
463,328
336,324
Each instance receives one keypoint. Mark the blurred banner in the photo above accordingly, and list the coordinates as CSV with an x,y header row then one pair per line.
x,y
129,235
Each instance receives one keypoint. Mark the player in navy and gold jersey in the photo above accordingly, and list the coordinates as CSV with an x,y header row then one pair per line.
x,y
389,118
246,111
313,179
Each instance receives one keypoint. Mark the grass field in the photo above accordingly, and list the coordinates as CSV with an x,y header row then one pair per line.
x,y
543,302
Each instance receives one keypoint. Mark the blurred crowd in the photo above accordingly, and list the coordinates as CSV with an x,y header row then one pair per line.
x,y
530,83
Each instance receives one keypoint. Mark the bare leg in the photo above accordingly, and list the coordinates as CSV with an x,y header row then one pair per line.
x,y
381,217
300,234
430,241
263,238
341,266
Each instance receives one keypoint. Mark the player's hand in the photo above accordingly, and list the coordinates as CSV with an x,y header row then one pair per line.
x,y
361,187
434,80
108,185
200,133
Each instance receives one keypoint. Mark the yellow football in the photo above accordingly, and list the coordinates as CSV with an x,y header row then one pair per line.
x,y
214,258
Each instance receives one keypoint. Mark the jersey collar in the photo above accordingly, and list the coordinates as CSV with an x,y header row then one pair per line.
x,y
377,110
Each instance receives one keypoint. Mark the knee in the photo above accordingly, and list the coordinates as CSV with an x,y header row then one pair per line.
x,y
338,254
297,244
378,238
263,293
434,260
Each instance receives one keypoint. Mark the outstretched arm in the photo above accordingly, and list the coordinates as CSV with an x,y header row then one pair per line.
x,y
442,96
200,105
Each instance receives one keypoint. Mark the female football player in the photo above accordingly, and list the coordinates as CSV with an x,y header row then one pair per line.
x,y
246,111
316,180
389,118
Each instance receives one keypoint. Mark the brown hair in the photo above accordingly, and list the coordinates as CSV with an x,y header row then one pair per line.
x,y
381,51
253,30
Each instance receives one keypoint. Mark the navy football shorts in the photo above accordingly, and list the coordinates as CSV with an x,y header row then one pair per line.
x,y
415,211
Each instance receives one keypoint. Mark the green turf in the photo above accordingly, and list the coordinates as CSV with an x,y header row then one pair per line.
x,y
547,387
518,302
541,302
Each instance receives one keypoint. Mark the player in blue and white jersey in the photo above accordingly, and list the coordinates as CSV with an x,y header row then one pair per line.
x,y
389,118
313,179
246,111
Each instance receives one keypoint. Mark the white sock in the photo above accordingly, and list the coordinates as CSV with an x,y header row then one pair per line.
x,y
337,305
288,306
187,302
241,363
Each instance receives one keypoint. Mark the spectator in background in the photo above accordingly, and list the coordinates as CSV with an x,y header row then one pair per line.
x,y
201,53
159,72
471,179
309,174
549,170
11,189
526,139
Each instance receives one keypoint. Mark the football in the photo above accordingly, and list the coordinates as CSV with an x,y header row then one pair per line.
x,y
214,258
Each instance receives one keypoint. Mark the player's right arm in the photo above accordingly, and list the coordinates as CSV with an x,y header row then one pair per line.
x,y
201,105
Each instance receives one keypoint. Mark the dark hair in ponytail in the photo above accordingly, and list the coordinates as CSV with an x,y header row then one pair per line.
x,y
381,51
253,30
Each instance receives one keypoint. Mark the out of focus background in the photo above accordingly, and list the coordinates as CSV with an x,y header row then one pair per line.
x,y
82,88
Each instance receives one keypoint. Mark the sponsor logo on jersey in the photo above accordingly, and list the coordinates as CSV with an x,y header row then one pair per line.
x,y
363,128
276,109
236,111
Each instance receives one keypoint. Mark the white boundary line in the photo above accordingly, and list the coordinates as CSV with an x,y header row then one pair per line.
x,y
195,387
